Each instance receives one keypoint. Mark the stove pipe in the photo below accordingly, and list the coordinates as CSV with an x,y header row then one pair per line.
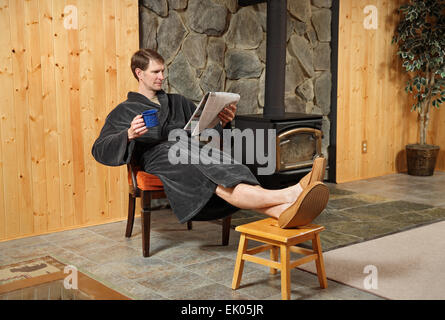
x,y
275,59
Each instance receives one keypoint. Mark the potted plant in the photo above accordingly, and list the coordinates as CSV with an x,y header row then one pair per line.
x,y
420,36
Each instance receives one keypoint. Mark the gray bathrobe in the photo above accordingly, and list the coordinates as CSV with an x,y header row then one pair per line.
x,y
189,187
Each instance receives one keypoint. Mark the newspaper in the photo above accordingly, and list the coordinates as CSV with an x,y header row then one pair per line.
x,y
206,114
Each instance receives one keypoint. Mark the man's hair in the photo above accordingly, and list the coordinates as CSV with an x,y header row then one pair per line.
x,y
141,59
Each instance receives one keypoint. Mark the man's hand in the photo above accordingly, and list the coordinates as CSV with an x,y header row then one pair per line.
x,y
137,128
227,114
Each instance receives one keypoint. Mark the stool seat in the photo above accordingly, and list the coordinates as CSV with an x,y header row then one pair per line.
x,y
275,238
269,229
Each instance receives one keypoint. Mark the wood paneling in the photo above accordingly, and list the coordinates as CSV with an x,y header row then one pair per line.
x,y
57,85
372,105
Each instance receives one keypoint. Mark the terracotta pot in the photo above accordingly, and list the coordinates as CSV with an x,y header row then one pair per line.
x,y
421,159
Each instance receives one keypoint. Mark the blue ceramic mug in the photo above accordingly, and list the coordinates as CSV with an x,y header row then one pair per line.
x,y
150,118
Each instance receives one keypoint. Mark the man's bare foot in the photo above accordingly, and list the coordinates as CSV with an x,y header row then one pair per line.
x,y
293,192
276,211
290,194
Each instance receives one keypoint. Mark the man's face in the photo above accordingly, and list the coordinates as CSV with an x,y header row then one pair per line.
x,y
153,77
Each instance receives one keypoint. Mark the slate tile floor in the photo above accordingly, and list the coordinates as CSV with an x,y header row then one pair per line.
x,y
192,264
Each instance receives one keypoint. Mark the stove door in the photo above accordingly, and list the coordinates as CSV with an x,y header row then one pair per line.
x,y
297,148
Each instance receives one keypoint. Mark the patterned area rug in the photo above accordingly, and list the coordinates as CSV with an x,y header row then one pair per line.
x,y
45,278
29,269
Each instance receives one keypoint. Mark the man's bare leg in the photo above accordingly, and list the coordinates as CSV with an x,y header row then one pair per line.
x,y
282,204
269,202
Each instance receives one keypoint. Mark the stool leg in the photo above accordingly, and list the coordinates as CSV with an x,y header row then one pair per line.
x,y
285,272
319,263
239,264
273,257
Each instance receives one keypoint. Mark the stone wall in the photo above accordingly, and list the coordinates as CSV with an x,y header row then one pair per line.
x,y
215,45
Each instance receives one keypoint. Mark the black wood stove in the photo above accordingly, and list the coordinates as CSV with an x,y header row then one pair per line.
x,y
298,136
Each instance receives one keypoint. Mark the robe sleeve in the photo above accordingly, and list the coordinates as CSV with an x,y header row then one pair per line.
x,y
112,147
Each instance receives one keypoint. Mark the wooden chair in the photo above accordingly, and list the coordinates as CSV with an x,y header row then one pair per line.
x,y
283,241
148,187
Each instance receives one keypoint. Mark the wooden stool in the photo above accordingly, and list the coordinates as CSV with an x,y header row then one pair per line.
x,y
267,231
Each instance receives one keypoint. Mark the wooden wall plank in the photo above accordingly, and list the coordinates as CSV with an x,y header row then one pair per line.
x,y
90,42
100,111
50,115
114,189
85,86
9,222
21,110
382,91
2,189
36,123
60,39
77,132
436,134
346,105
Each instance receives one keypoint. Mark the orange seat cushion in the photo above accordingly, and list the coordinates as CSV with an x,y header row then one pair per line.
x,y
146,181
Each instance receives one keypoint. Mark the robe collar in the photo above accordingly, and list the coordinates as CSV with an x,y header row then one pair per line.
x,y
140,98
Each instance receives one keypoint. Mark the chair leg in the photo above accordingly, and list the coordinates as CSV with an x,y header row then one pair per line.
x,y
189,225
130,219
226,230
145,220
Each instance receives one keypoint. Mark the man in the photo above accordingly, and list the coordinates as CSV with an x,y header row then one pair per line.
x,y
196,191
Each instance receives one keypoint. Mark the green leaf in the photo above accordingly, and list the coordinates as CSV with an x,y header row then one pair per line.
x,y
420,38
